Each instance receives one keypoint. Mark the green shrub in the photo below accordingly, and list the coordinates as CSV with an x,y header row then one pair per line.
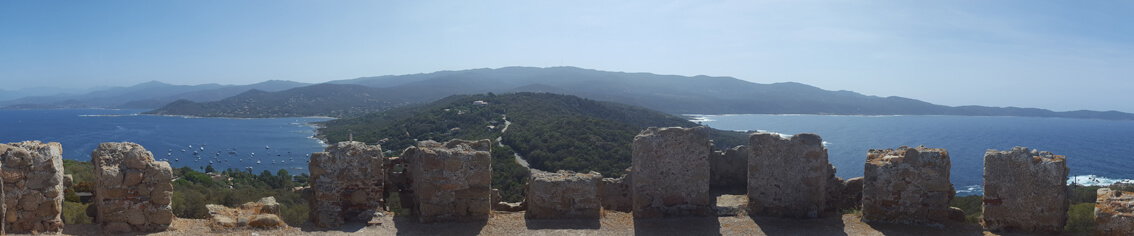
x,y
75,213
972,205
1080,217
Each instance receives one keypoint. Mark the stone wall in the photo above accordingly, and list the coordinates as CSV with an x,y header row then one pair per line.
x,y
1114,212
451,181
132,190
908,185
729,168
563,194
787,177
347,180
615,193
33,186
671,172
1024,191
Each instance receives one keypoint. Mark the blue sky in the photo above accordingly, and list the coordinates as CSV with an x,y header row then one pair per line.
x,y
1060,55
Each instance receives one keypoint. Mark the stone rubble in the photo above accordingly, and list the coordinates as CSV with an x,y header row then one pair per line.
x,y
1025,191
32,173
671,172
907,185
262,214
451,181
347,182
1114,212
563,195
788,177
132,190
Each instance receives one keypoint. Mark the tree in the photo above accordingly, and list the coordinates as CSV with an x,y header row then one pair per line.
x,y
209,169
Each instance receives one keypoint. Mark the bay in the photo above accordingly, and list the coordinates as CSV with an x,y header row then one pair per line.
x,y
279,143
1099,152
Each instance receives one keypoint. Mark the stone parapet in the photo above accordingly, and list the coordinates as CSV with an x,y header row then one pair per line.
x,y
32,173
132,190
1114,212
1024,191
907,185
615,193
671,172
563,195
451,181
347,182
729,168
788,177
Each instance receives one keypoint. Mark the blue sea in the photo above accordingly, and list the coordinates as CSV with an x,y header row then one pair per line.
x,y
281,143
1099,152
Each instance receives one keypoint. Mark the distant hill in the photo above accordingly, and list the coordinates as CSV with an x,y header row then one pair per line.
x,y
673,94
552,131
147,95
210,95
334,100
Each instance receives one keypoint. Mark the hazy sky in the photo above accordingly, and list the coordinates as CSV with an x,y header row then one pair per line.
x,y
1059,55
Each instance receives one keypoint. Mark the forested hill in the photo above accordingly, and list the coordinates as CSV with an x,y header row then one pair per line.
x,y
333,100
551,131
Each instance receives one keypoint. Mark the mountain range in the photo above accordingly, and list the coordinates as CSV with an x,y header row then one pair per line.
x,y
147,95
667,93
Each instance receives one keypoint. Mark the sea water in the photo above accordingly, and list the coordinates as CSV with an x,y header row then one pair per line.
x,y
1099,152
279,143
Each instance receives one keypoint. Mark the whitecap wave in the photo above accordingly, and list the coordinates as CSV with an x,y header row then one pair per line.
x,y
1094,180
970,190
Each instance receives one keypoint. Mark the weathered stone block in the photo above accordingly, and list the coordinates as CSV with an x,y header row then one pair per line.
x,y
729,168
1025,191
671,172
564,194
908,185
451,181
122,172
33,178
615,194
1114,212
787,177
348,185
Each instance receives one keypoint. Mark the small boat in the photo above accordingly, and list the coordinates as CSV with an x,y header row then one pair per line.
x,y
257,162
231,152
210,162
266,147
175,159
182,150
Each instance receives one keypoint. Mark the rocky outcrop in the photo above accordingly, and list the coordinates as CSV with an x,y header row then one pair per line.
x,y
1025,191
132,190
347,180
563,195
1114,212
263,214
671,172
615,194
908,185
451,181
787,177
32,173
729,168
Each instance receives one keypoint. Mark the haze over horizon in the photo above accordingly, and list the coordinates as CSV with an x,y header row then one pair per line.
x,y
1052,55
